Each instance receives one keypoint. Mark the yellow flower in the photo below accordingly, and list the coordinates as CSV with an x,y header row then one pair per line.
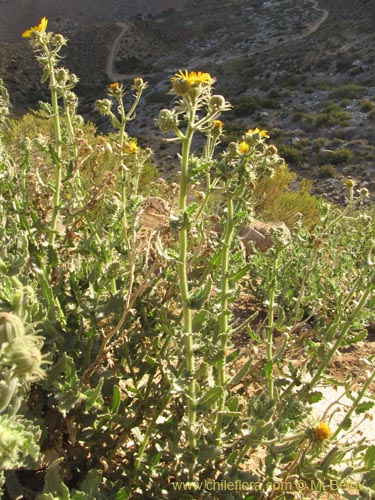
x,y
193,78
243,147
42,26
217,124
263,133
322,431
350,183
114,87
131,147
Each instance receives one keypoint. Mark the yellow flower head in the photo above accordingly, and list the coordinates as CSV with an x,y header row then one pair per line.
x,y
243,147
217,124
322,431
114,87
263,133
194,78
350,183
131,147
41,27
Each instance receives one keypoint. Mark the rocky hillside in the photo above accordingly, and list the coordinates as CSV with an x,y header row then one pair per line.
x,y
18,15
305,70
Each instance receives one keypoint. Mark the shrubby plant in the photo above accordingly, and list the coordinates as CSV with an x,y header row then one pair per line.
x,y
133,369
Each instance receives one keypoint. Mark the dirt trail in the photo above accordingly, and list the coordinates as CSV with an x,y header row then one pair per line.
x,y
316,25
115,77
195,60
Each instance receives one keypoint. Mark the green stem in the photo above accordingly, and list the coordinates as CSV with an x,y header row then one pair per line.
x,y
224,316
361,303
270,326
58,141
184,286
353,407
122,136
303,284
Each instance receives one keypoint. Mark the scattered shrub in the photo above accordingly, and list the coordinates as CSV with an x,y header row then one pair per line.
x,y
246,106
348,91
335,157
291,154
367,105
326,171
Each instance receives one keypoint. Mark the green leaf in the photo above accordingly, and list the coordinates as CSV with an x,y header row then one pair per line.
x,y
200,296
208,399
315,397
253,335
235,277
53,483
358,338
241,373
369,479
91,484
70,370
120,495
94,394
363,407
47,291
56,369
370,457
137,434
207,452
80,495
116,400
54,155
53,259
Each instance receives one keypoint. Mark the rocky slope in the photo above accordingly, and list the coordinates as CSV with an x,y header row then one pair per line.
x,y
302,69
21,14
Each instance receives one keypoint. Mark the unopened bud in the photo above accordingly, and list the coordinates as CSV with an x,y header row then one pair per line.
x,y
181,86
216,103
103,106
167,120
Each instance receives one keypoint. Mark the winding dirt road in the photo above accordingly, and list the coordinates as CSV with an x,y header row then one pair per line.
x,y
115,77
112,76
316,25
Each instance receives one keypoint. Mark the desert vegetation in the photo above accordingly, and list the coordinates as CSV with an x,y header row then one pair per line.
x,y
153,352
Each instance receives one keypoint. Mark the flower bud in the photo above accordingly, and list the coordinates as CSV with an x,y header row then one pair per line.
x,y
167,120
73,80
11,327
71,99
139,84
103,106
59,41
181,86
25,355
62,75
271,150
216,103
350,183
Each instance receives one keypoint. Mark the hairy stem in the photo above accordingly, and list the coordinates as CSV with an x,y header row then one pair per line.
x,y
224,315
